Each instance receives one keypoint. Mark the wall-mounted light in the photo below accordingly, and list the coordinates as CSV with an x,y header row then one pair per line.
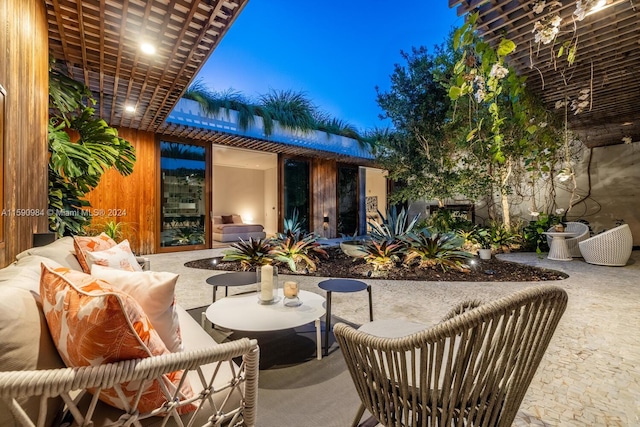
x,y
325,220
147,48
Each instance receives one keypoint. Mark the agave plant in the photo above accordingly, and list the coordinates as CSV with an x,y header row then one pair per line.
x,y
393,227
292,226
250,254
383,255
298,252
435,249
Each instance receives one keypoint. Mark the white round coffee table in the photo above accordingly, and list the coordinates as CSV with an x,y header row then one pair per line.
x,y
243,313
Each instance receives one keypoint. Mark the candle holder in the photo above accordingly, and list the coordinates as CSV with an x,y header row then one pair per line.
x,y
267,284
290,291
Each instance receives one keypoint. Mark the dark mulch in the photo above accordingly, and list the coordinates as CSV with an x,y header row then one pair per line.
x,y
340,265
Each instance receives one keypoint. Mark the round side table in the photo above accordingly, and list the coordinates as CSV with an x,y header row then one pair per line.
x,y
341,285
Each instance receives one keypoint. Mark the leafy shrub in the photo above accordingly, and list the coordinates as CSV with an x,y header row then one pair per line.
x,y
502,239
394,226
295,253
532,234
444,220
383,255
435,249
250,254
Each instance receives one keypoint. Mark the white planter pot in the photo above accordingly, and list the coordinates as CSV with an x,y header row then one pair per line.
x,y
484,253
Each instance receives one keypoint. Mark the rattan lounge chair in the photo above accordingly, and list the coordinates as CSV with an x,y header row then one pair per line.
x,y
71,384
471,369
612,248
582,231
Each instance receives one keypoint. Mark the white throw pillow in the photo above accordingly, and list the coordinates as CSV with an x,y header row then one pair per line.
x,y
119,256
154,291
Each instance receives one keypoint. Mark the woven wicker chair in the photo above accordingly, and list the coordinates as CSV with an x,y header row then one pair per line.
x,y
17,386
612,248
572,242
471,369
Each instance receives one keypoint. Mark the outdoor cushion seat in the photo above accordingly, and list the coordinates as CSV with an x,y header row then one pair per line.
x,y
473,368
611,248
582,231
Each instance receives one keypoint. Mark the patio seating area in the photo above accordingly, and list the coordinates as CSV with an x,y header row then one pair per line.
x,y
589,375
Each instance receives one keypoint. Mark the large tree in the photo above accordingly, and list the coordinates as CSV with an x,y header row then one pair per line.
x,y
421,150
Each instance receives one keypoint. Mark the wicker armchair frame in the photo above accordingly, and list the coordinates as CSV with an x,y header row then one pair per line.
x,y
473,368
15,386
572,242
611,248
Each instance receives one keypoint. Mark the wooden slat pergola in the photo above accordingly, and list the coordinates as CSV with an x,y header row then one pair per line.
x,y
99,43
607,61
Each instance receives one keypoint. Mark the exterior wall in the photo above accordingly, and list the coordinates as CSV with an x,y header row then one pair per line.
x,y
615,179
24,75
324,198
132,199
613,195
239,191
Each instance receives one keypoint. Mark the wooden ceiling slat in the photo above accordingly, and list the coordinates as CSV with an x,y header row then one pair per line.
x,y
608,39
99,40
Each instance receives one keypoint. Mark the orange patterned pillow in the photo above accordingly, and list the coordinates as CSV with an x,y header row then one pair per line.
x,y
91,324
84,244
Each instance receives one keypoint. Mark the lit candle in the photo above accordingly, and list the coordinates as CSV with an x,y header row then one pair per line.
x,y
290,289
266,283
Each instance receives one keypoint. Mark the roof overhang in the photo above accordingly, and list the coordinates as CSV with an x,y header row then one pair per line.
x,y
187,121
99,43
607,61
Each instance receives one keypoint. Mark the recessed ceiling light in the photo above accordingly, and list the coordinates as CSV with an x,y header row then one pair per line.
x,y
130,109
148,48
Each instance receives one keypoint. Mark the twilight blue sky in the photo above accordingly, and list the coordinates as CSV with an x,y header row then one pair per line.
x,y
334,51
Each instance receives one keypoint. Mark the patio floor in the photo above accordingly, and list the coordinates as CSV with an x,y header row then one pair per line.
x,y
590,374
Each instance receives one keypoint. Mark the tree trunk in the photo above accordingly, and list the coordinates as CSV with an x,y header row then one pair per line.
x,y
506,216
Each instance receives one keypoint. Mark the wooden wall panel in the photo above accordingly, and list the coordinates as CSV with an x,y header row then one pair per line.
x,y
323,202
132,199
24,75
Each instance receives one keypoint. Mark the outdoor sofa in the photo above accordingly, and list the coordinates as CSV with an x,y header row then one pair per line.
x,y
36,388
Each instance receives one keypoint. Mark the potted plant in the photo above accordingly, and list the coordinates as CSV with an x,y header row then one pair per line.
x,y
484,238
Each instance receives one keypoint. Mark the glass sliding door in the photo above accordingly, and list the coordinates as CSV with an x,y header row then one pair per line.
x,y
296,191
347,193
183,195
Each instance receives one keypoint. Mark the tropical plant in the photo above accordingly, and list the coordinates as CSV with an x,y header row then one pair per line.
x,y
436,249
293,110
252,253
383,255
446,220
112,228
393,226
292,226
296,253
189,235
75,167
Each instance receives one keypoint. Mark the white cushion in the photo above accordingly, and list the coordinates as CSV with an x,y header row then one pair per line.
x,y
25,344
25,273
61,251
119,256
154,291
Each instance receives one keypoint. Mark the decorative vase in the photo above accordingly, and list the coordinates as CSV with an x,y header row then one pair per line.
x,y
267,284
290,292
484,253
